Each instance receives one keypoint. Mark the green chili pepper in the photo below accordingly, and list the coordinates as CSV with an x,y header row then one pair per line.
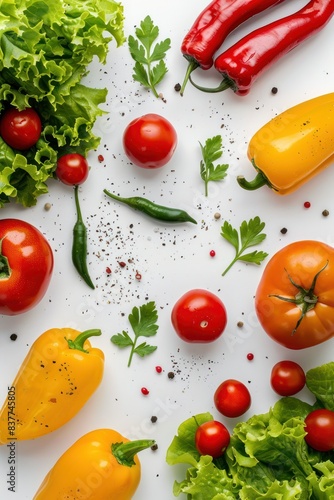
x,y
153,210
79,247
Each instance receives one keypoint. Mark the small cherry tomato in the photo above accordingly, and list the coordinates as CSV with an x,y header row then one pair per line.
x,y
287,378
319,425
212,438
72,169
150,141
26,265
20,129
199,316
232,398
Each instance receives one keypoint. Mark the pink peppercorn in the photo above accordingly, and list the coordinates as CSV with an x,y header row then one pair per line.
x,y
145,391
307,204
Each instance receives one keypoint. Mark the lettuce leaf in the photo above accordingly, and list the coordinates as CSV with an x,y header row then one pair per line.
x,y
45,50
267,457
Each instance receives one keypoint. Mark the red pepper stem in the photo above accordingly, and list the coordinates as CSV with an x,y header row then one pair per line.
x,y
78,342
259,181
224,85
191,67
125,452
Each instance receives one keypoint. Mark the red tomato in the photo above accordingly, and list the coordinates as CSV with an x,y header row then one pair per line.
x,y
150,141
319,425
20,129
287,378
294,300
232,398
199,316
212,438
26,265
72,169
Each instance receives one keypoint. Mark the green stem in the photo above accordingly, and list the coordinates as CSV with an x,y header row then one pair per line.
x,y
231,264
191,67
132,351
224,85
77,204
125,452
78,342
259,181
150,80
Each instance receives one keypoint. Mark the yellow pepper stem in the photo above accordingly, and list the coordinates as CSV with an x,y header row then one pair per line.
x,y
78,342
125,452
259,181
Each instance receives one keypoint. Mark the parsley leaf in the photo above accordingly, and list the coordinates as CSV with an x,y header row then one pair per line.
x,y
211,152
143,321
250,234
145,53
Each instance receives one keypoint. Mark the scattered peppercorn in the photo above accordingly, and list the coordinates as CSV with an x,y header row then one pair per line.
x,y
250,356
108,270
100,158
274,90
145,391
13,336
154,419
122,264
212,253
158,369
138,276
154,447
171,375
177,87
240,324
284,230
325,213
217,216
47,206
307,204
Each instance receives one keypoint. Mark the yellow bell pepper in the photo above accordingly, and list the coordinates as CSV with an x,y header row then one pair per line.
x,y
101,465
59,374
293,147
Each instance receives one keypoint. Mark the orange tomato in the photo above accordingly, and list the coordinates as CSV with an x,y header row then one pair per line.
x,y
294,300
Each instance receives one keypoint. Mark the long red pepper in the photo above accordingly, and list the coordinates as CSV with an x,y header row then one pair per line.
x,y
211,28
246,60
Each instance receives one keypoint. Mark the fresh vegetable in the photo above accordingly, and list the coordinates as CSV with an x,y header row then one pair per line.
x,y
72,169
58,376
20,129
250,234
232,398
243,62
267,457
287,378
102,464
79,244
212,438
150,67
299,137
46,48
143,321
149,141
212,26
319,428
150,208
211,152
26,266
199,316
294,298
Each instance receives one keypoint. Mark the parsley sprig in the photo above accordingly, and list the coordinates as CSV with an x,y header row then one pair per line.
x,y
211,152
143,321
146,54
250,234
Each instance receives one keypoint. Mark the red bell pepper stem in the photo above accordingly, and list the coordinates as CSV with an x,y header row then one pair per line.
x,y
242,63
211,28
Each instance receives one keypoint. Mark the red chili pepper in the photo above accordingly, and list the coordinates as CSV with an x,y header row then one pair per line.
x,y
211,28
246,60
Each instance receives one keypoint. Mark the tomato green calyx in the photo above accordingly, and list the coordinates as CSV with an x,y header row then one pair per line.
x,y
5,270
305,299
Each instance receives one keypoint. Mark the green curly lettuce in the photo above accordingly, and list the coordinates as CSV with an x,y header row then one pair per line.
x,y
45,50
267,457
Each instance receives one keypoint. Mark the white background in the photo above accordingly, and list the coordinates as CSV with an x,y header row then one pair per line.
x,y
172,259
